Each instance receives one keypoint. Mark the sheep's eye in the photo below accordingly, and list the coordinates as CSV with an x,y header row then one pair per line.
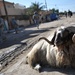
x,y
59,35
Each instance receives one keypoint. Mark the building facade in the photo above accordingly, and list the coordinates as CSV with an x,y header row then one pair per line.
x,y
11,10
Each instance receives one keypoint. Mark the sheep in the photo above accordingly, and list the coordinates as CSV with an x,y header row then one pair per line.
x,y
66,37
44,54
52,53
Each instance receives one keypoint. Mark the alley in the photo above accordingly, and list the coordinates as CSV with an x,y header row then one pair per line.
x,y
28,37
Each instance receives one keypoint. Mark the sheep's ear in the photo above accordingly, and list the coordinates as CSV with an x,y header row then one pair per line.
x,y
53,39
73,38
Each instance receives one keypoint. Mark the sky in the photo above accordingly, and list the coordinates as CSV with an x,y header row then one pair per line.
x,y
62,5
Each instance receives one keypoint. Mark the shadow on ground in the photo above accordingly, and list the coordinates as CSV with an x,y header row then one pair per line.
x,y
68,71
13,38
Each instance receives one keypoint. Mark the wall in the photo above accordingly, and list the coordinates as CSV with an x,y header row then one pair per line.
x,y
12,11
23,22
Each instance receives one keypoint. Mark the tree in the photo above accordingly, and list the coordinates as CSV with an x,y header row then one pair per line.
x,y
55,10
29,11
37,7
34,7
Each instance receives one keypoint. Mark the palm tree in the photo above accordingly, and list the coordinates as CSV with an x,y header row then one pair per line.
x,y
34,7
37,7
29,11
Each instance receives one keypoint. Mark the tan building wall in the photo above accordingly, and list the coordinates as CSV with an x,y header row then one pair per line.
x,y
1,0
23,22
12,11
8,5
1,4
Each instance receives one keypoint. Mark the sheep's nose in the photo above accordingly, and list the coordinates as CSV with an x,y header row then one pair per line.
x,y
58,42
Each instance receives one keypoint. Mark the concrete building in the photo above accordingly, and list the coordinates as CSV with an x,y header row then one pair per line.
x,y
19,6
12,10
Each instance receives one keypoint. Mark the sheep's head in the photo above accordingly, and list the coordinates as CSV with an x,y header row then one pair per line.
x,y
60,36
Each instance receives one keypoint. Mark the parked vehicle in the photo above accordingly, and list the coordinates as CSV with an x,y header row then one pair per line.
x,y
53,16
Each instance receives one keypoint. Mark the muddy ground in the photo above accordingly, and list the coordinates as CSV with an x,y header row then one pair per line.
x,y
17,65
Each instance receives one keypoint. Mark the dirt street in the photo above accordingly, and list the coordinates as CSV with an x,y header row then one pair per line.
x,y
17,65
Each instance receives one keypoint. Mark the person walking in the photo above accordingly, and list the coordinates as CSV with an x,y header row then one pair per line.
x,y
2,36
70,13
14,24
36,19
1,25
6,26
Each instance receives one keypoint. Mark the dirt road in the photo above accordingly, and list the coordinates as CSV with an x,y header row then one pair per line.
x,y
18,67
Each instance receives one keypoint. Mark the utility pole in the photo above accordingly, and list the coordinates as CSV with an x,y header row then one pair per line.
x,y
46,4
5,11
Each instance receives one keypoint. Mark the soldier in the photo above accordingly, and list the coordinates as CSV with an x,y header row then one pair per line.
x,y
36,19
2,37
14,24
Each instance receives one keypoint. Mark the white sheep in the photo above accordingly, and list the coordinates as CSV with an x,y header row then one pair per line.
x,y
52,53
